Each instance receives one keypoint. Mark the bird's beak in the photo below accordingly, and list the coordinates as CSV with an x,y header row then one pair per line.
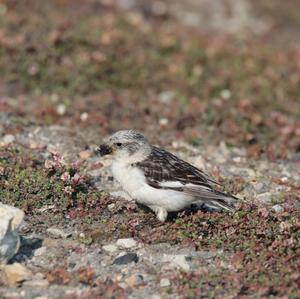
x,y
104,150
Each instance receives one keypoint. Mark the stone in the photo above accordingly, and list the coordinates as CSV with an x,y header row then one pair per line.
x,y
37,283
57,233
134,280
111,207
264,197
260,187
14,274
40,251
277,208
126,243
7,139
177,260
10,222
165,282
166,97
126,259
110,248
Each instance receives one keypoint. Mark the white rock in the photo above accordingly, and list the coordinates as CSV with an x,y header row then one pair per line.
x,y
10,221
61,109
163,122
37,283
177,260
40,251
166,97
110,248
277,208
84,116
7,139
126,243
111,207
165,282
264,197
225,94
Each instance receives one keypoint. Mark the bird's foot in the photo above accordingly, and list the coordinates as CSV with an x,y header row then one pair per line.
x,y
160,212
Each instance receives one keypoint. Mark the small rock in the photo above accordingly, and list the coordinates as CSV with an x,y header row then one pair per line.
x,y
40,283
277,208
110,248
126,243
177,260
134,280
84,116
165,282
259,187
40,251
61,109
10,222
57,233
264,197
126,259
111,207
166,97
84,155
15,274
225,94
163,122
7,139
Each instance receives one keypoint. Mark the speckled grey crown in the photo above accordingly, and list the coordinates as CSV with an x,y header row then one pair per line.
x,y
128,135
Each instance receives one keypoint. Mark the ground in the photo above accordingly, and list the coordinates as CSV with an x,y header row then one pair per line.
x,y
217,83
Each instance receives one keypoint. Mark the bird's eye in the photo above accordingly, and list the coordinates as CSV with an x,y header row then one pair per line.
x,y
119,144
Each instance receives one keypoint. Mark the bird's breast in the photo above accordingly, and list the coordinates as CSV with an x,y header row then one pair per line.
x,y
130,178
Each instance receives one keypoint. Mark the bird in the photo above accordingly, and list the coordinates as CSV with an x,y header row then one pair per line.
x,y
157,178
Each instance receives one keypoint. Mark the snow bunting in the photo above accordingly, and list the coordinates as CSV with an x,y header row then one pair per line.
x,y
158,179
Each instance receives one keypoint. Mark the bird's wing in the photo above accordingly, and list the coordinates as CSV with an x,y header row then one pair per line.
x,y
163,169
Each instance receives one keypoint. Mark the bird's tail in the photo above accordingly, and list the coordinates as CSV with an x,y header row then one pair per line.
x,y
224,201
213,198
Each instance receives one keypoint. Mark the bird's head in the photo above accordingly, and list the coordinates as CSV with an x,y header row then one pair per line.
x,y
126,145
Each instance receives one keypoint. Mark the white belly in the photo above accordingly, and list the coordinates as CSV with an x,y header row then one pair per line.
x,y
134,183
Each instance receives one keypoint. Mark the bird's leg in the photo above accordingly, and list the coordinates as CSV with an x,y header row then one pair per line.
x,y
160,212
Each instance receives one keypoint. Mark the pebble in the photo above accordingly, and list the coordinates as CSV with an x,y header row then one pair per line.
x,y
134,280
264,197
40,251
277,208
15,274
111,207
7,139
39,283
57,233
61,109
110,248
126,259
84,116
126,243
165,282
225,94
259,187
163,122
10,222
177,260
166,97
